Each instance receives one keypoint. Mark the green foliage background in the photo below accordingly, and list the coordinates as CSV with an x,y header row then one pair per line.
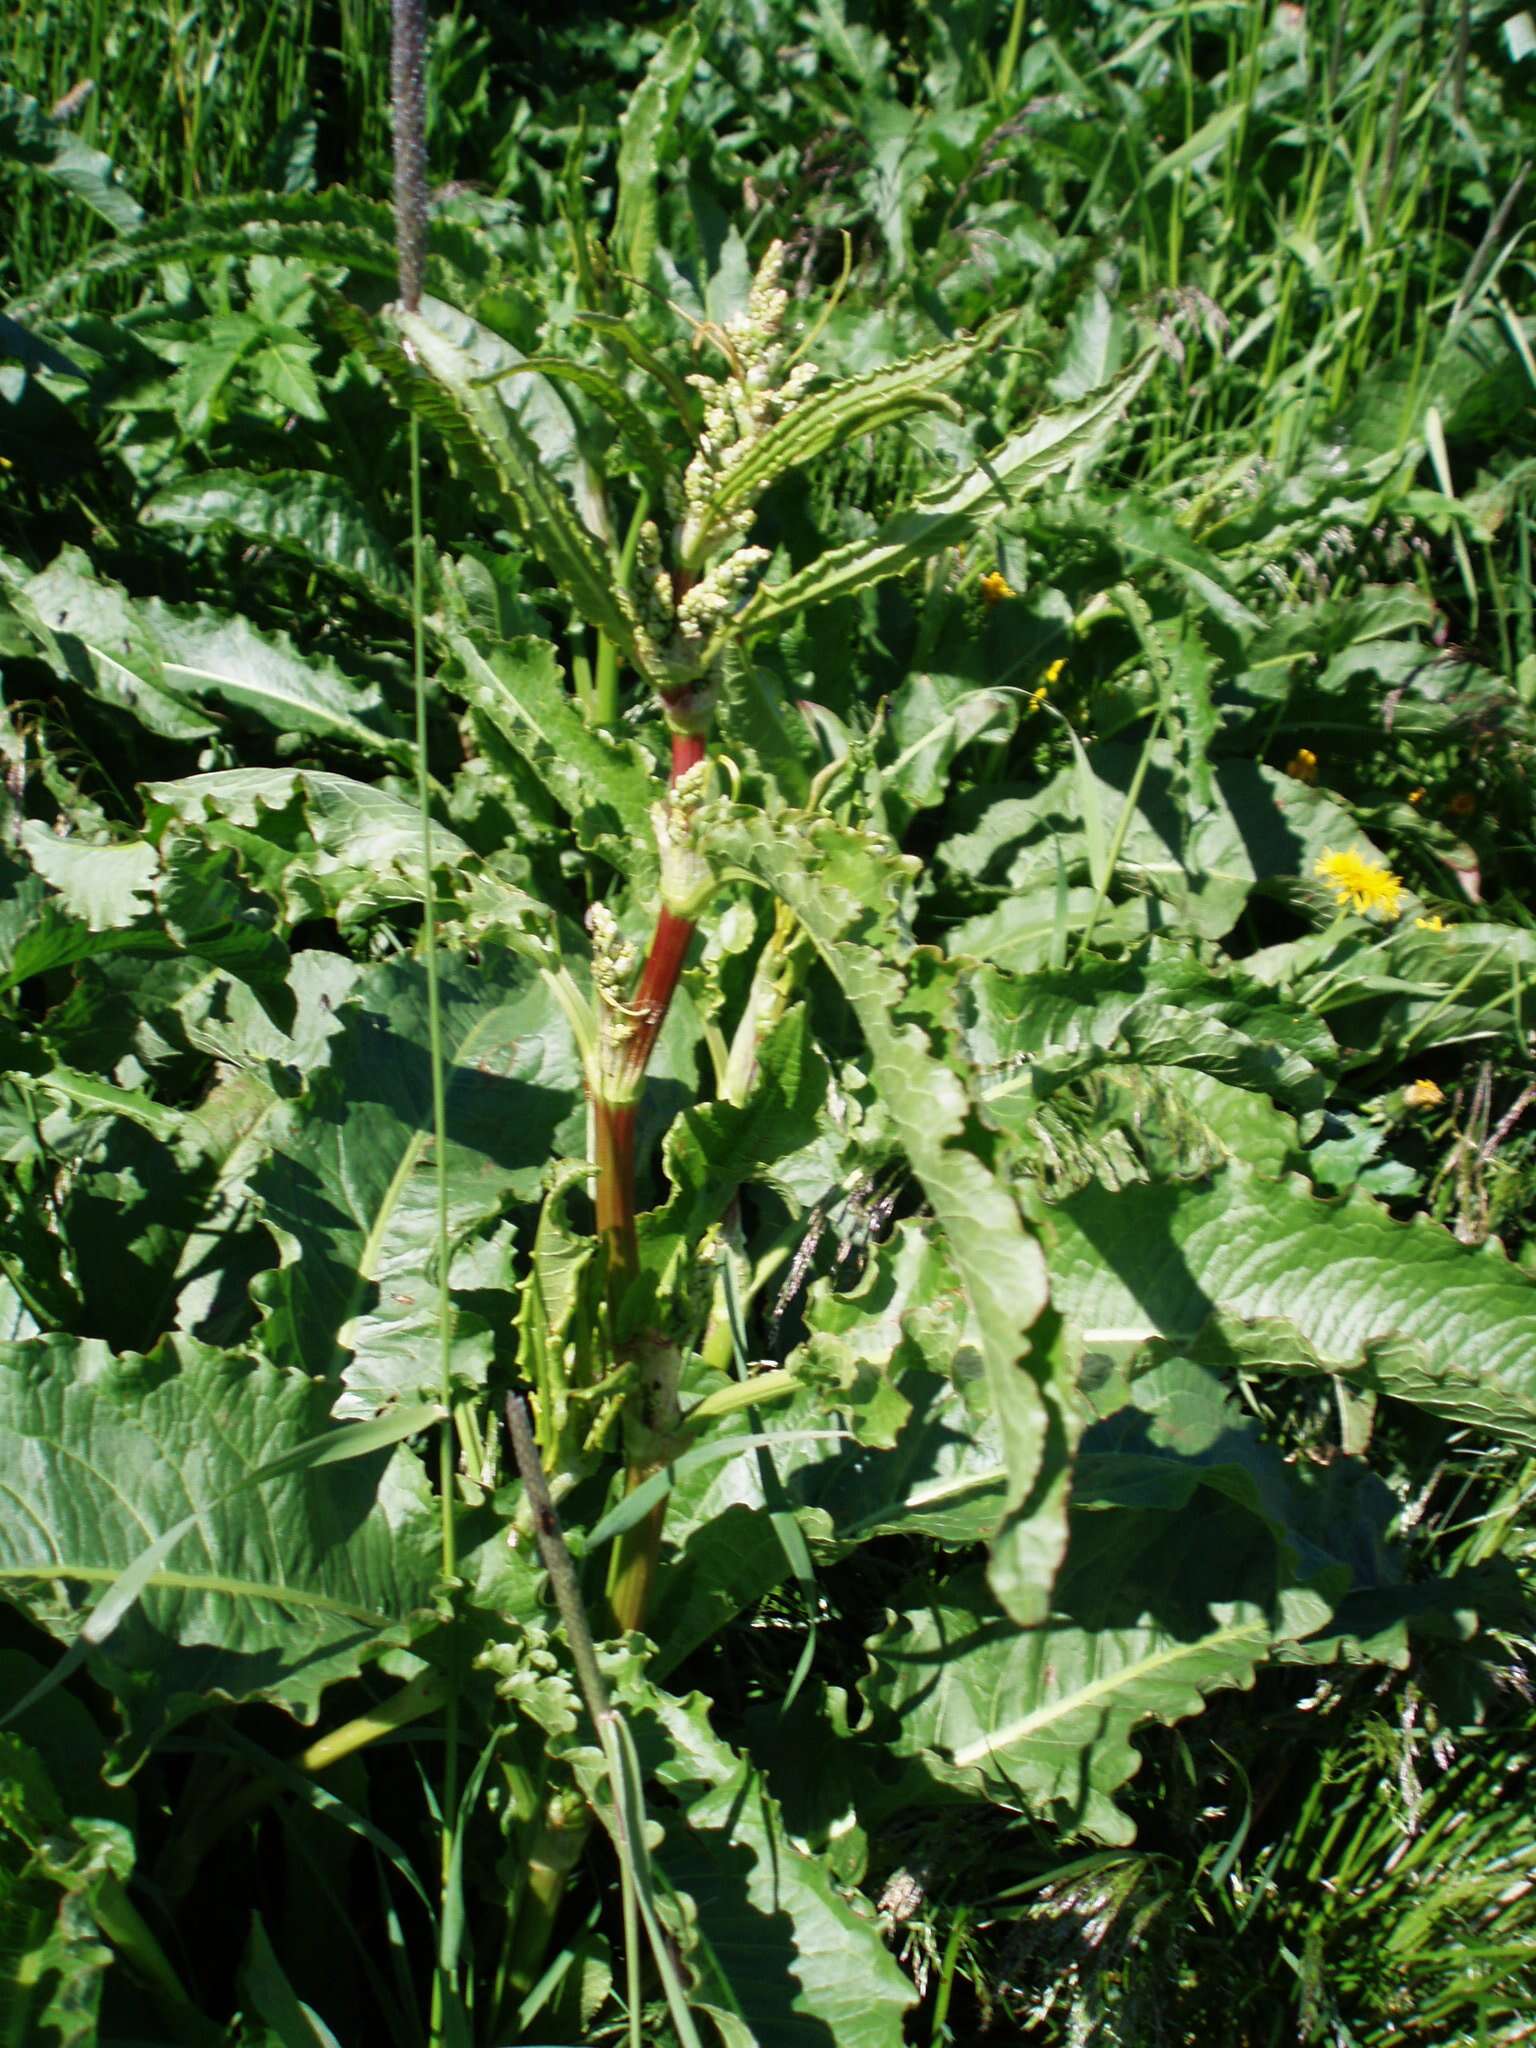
x,y
1113,1621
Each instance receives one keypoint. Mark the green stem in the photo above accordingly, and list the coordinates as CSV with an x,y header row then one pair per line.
x,y
603,706
425,1693
446,1447
636,1554
553,1851
605,687
207,1826
125,1927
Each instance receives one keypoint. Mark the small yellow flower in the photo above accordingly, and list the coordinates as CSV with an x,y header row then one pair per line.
x,y
1423,1095
1360,883
1436,923
1416,796
995,588
1036,698
1055,672
1302,766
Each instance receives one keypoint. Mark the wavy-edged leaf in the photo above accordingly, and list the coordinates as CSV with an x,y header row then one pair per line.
x,y
179,668
1265,1273
329,228
52,1877
350,1190
606,786
455,354
1041,1718
951,512
942,1471
845,888
1122,1071
714,1148
1424,988
131,897
271,1591
324,844
91,634
780,1945
317,518
107,886
837,413
1159,1011
221,660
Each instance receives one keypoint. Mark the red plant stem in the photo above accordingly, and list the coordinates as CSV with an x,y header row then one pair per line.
x,y
614,1145
687,752
637,1550
658,983
663,963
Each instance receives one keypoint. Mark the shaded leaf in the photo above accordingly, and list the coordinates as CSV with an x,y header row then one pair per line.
x,y
314,517
781,1945
350,1190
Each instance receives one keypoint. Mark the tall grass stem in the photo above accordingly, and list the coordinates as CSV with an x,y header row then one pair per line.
x,y
408,93
446,1438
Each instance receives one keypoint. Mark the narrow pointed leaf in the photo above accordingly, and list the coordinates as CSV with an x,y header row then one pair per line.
x,y
951,512
846,892
645,131
838,413
645,444
457,355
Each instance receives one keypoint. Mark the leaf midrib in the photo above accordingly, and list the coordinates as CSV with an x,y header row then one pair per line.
x,y
203,1582
1126,1675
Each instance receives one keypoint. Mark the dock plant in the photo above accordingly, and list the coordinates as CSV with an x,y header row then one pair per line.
x,y
749,1237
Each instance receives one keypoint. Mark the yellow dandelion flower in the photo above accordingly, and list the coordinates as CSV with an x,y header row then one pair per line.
x,y
995,588
1360,883
1423,1095
1429,924
1302,766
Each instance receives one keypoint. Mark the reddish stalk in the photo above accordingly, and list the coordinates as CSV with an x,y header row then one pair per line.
x,y
637,1550
614,1146
687,752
